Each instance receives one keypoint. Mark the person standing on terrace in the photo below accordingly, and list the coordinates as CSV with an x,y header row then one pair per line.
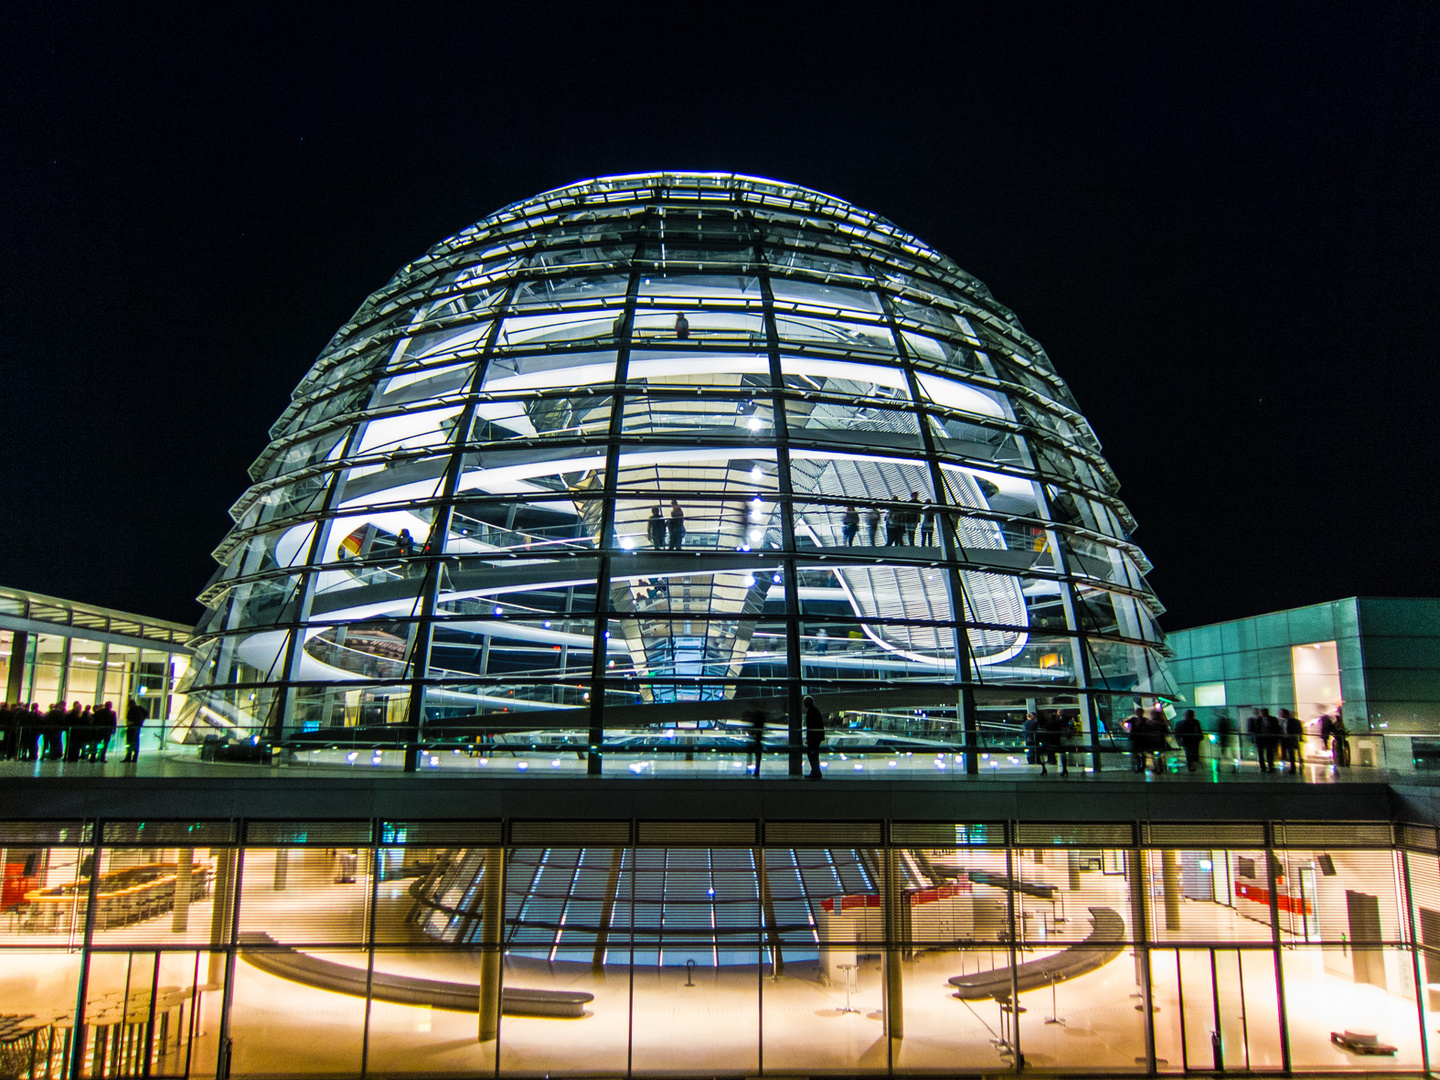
x,y
135,717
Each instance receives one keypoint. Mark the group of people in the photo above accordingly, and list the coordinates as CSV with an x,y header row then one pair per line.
x,y
813,722
666,533
1149,737
905,525
1046,740
78,733
1278,739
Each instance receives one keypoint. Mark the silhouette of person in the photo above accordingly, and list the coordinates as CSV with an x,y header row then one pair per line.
x,y
814,735
1135,728
1225,735
911,520
1272,733
655,528
851,525
682,327
135,717
755,722
1339,741
1052,740
1030,731
1189,733
677,526
1292,732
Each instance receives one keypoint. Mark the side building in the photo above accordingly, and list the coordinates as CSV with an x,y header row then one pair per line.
x,y
60,650
1378,657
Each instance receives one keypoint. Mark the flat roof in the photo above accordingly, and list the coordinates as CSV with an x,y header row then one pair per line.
x,y
37,613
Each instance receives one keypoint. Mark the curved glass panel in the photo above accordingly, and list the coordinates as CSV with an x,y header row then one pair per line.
x,y
622,464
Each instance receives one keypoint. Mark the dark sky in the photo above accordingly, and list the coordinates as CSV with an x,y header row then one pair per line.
x,y
1220,221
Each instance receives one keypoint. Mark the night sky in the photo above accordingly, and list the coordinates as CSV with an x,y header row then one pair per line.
x,y
1220,221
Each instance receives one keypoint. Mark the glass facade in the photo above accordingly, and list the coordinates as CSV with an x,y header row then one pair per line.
x,y
59,650
598,475
1379,658
280,949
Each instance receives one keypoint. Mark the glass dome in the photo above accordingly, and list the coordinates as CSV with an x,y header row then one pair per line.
x,y
599,476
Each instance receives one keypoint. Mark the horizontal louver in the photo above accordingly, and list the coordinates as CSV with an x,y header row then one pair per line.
x,y
1039,834
1417,837
46,832
440,833
698,833
323,833
822,833
569,833
929,834
1323,834
169,833
1204,834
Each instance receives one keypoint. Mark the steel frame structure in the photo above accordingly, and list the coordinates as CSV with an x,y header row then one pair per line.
x,y
650,450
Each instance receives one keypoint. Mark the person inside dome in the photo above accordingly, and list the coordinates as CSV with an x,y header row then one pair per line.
x,y
677,526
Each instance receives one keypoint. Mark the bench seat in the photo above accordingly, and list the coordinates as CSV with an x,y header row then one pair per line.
x,y
285,963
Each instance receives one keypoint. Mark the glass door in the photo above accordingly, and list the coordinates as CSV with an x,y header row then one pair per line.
x,y
1229,1011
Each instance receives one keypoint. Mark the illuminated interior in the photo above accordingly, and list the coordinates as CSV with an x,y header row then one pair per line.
x,y
383,949
638,454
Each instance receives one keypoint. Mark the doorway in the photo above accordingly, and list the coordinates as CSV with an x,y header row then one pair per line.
x,y
1364,913
1228,1010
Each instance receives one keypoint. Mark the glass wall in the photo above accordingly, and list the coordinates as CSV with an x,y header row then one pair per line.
x,y
696,446
61,656
285,949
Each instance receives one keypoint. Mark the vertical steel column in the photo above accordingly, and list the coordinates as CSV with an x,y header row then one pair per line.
x,y
1414,939
767,906
1074,616
1271,859
282,711
376,863
1170,877
950,547
1140,938
794,661
184,870
607,910
604,543
15,682
418,663
100,676
492,920
221,902
1073,609
230,918
169,694
82,990
892,904
62,688
1012,830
